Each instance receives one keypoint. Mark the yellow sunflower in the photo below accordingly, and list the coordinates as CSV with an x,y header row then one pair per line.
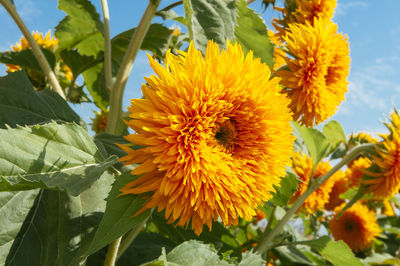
x,y
357,226
45,41
356,170
99,122
340,185
279,55
302,167
318,65
217,136
305,11
386,182
362,137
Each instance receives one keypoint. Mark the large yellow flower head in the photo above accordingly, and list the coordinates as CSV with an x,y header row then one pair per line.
x,y
304,11
318,65
217,136
302,167
357,226
386,182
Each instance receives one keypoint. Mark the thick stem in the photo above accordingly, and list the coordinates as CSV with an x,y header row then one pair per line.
x,y
107,46
267,242
131,236
114,117
34,46
177,3
112,252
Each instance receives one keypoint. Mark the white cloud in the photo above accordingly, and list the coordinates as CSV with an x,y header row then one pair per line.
x,y
343,7
28,9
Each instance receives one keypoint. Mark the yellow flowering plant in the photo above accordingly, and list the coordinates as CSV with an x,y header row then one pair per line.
x,y
219,163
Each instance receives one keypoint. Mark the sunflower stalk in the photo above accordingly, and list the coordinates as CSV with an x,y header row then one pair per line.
x,y
37,52
115,125
107,46
267,242
111,256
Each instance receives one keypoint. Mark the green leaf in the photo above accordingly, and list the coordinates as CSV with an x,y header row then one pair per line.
x,y
336,252
107,143
95,84
334,132
118,218
60,227
192,253
171,15
50,156
287,187
290,256
14,207
21,105
252,33
156,41
76,62
317,144
210,20
81,28
251,259
25,58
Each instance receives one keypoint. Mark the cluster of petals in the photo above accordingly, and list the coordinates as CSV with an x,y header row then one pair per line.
x,y
215,136
385,181
318,64
303,168
357,226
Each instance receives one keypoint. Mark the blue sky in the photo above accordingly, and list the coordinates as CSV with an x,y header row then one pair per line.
x,y
372,26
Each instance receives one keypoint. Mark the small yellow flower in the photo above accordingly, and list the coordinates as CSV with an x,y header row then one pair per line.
x,y
356,170
357,226
217,136
340,185
318,65
302,167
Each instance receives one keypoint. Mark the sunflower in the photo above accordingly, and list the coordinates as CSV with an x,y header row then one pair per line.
x,y
217,136
357,226
279,55
303,167
318,65
362,137
99,122
356,170
386,181
304,11
340,185
44,41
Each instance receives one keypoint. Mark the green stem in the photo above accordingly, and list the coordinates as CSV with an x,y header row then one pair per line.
x,y
267,242
131,236
112,252
37,52
107,46
269,224
114,117
177,3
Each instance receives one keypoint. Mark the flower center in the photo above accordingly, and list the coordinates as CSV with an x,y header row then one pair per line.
x,y
226,135
349,226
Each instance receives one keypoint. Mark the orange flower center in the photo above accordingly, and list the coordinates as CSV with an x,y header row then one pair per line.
x,y
226,135
350,226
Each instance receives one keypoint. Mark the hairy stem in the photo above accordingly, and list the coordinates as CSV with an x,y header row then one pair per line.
x,y
114,118
107,46
34,46
267,242
112,252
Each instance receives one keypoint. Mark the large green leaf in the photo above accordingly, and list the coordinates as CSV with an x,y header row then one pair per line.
x,y
287,187
95,84
77,62
334,132
14,207
316,143
21,105
191,253
60,227
251,259
156,41
336,252
25,58
50,156
118,218
290,256
210,20
252,33
81,28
